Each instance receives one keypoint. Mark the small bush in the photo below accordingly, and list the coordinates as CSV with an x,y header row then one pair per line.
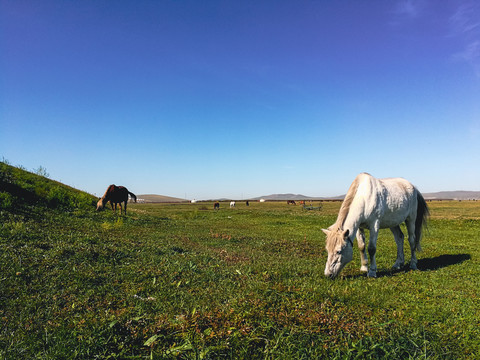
x,y
41,171
59,197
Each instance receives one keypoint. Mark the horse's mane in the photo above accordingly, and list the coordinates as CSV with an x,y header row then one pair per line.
x,y
347,202
109,190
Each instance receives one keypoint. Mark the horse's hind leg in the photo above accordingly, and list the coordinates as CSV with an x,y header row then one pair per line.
x,y
372,249
361,247
411,240
399,239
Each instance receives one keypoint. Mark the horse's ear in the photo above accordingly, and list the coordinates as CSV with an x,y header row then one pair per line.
x,y
326,232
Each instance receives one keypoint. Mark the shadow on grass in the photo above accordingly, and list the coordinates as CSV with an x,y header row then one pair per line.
x,y
426,264
441,261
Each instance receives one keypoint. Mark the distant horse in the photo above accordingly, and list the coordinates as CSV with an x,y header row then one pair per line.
x,y
291,202
232,204
375,204
116,195
216,206
247,203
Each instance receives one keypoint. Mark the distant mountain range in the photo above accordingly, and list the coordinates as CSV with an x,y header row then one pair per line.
x,y
453,195
153,198
442,195
297,197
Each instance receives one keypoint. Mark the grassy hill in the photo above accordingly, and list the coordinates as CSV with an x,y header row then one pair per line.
x,y
20,189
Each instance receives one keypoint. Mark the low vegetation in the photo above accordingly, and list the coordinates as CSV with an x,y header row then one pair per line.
x,y
21,190
185,281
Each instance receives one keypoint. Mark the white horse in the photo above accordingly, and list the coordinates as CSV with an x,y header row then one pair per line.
x,y
232,204
375,204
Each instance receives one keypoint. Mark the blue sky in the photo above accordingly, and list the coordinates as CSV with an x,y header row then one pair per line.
x,y
209,99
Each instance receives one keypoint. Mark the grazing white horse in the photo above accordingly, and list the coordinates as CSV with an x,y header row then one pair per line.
x,y
232,204
375,204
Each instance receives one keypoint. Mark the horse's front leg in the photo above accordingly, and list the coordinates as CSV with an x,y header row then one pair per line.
x,y
372,249
361,247
398,235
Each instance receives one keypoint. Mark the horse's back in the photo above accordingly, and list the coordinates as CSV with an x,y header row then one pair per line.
x,y
399,192
387,201
398,186
399,200
369,186
117,193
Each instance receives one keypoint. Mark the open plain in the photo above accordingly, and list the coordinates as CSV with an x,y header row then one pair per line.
x,y
187,281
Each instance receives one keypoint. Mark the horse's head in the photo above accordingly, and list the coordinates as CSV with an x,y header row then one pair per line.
x,y
340,251
100,205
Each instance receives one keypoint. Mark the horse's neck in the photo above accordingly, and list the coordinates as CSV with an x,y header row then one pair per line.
x,y
353,220
366,201
360,209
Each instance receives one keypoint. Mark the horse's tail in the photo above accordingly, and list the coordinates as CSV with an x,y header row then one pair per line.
x,y
421,221
133,196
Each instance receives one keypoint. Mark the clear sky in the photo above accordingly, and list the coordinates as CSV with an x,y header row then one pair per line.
x,y
238,99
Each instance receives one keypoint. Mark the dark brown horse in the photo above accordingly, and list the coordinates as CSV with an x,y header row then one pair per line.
x,y
116,195
216,206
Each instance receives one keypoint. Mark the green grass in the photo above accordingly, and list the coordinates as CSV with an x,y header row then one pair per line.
x,y
185,281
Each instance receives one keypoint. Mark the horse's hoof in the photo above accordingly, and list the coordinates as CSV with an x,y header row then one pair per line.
x,y
363,268
397,266
413,266
372,274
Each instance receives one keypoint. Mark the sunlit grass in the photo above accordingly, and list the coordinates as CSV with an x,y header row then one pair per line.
x,y
185,281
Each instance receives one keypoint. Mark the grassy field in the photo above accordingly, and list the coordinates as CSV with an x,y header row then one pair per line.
x,y
185,281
